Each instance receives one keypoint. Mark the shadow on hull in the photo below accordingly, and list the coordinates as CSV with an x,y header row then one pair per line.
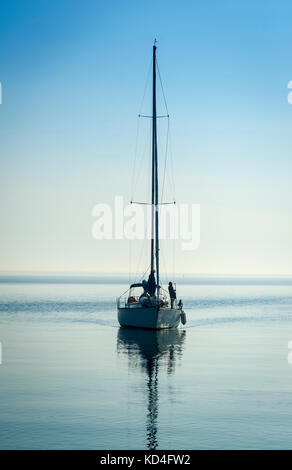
x,y
149,318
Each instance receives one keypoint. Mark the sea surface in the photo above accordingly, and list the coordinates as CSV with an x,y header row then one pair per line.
x,y
71,378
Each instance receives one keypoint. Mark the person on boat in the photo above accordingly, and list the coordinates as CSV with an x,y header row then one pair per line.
x,y
180,304
145,285
172,293
151,284
144,298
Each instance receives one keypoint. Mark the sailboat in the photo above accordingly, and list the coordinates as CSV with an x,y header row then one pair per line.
x,y
151,308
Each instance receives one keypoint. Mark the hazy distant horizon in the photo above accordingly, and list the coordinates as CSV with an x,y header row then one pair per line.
x,y
120,278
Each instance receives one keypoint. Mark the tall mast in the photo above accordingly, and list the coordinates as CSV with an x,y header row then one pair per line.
x,y
154,201
153,156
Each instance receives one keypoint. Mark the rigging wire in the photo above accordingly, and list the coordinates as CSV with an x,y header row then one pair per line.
x,y
135,158
145,272
140,257
165,103
168,175
168,128
165,266
143,249
145,87
172,165
165,161
130,261
140,161
138,164
168,150
138,128
173,259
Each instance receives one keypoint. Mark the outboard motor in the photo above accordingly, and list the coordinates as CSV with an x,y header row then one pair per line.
x,y
183,317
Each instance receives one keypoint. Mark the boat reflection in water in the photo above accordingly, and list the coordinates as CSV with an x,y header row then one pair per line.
x,y
149,351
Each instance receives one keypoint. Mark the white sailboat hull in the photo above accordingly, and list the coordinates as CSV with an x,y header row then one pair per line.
x,y
149,317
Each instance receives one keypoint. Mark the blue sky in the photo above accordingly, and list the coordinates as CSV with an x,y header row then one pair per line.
x,y
73,74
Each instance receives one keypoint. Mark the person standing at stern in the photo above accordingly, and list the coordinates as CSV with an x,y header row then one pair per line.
x,y
172,293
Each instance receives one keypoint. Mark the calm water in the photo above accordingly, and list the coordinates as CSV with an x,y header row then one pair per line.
x,y
71,378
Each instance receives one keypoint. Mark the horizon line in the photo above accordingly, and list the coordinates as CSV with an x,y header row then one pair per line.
x,y
125,274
